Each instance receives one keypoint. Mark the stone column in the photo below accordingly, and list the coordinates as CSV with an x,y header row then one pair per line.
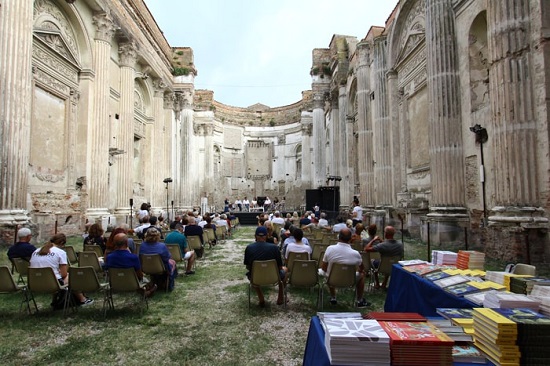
x,y
98,128
125,133
158,144
307,130
170,148
344,137
364,129
447,206
16,20
511,89
446,155
318,139
188,184
382,128
398,173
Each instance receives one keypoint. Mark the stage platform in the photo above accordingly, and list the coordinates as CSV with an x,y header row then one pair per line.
x,y
250,218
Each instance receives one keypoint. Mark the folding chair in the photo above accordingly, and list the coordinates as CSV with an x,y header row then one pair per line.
x,y
94,248
342,276
21,266
71,254
175,253
8,286
194,243
43,281
84,279
124,280
221,232
263,273
304,275
90,259
386,264
317,249
152,265
293,256
210,236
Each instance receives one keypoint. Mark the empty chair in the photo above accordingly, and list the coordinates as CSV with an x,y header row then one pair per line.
x,y
43,281
524,269
152,265
124,280
21,266
94,248
8,286
84,279
90,259
341,276
71,254
304,275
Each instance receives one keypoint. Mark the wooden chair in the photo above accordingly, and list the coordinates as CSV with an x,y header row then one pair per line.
x,y
21,266
8,286
84,279
341,276
125,280
304,275
263,273
152,265
43,281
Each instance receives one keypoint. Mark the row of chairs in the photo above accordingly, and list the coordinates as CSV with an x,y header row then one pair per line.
x,y
81,279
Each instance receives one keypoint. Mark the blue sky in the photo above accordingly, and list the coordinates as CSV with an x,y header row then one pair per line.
x,y
259,51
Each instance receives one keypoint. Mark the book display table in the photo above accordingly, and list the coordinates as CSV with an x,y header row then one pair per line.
x,y
315,353
409,292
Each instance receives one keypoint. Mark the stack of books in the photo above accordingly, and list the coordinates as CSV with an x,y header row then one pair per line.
x,y
458,316
444,257
351,341
411,262
503,278
452,280
508,300
434,276
542,294
422,269
524,285
533,335
496,335
455,332
394,316
465,288
470,259
417,343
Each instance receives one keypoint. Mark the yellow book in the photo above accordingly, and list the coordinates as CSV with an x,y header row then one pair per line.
x,y
482,323
495,317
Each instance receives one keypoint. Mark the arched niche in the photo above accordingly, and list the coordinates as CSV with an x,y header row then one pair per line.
x,y
478,52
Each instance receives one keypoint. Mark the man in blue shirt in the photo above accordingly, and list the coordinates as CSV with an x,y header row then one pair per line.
x,y
23,248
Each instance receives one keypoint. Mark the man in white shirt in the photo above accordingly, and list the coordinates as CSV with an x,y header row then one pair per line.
x,y
343,253
323,222
339,226
357,213
278,219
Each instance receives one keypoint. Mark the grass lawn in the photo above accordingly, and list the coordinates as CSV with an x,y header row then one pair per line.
x,y
204,321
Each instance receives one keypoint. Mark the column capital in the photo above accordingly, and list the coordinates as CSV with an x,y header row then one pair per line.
x,y
127,53
104,26
169,100
159,86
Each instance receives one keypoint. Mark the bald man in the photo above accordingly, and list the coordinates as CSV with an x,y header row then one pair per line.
x,y
388,248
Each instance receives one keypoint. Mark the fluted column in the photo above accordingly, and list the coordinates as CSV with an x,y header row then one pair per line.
x,y
16,19
364,130
157,157
398,171
344,137
446,155
318,139
382,128
98,128
513,128
188,178
307,130
125,134
170,146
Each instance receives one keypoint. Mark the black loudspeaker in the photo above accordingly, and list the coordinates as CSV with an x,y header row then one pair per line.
x,y
314,197
331,198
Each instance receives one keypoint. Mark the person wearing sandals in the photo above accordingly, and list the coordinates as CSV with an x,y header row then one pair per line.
x,y
52,255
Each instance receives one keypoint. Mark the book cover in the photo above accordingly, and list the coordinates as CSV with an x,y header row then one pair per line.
x,y
434,276
523,316
395,316
415,333
411,262
462,289
451,313
468,353
449,281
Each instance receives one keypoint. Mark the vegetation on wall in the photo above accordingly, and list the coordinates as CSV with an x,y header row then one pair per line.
x,y
181,71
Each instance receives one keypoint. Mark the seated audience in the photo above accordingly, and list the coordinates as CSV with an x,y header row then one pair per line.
x,y
52,255
192,229
176,236
388,248
95,236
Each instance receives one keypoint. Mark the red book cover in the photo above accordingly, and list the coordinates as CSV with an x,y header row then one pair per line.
x,y
416,333
395,316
